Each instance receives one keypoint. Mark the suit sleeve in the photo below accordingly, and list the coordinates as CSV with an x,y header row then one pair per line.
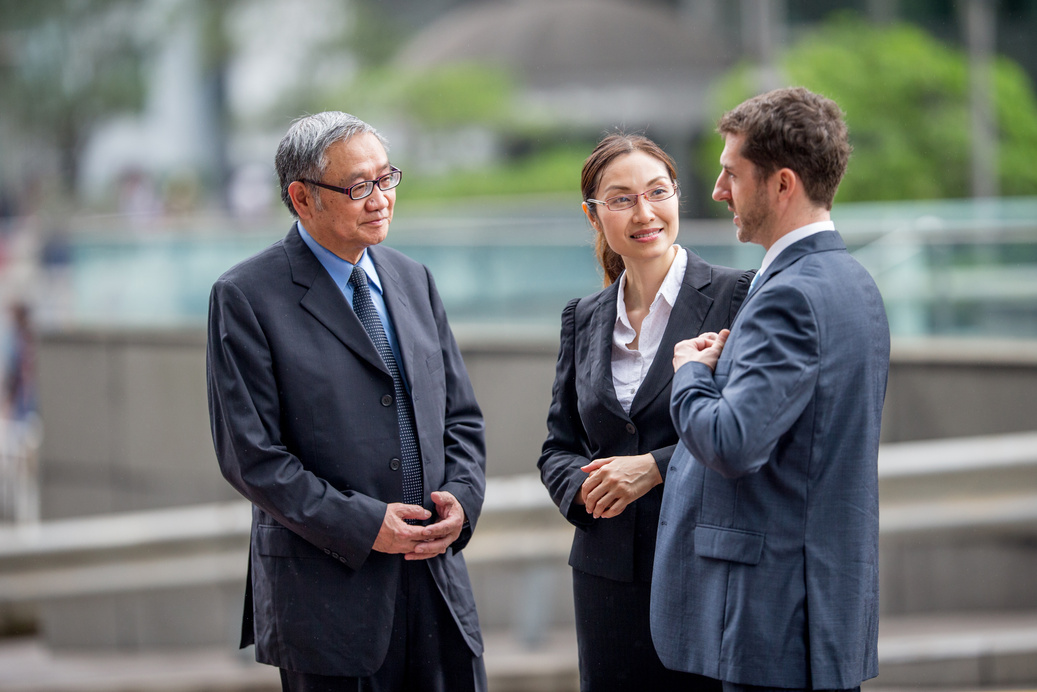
x,y
739,289
732,420
565,449
464,446
244,412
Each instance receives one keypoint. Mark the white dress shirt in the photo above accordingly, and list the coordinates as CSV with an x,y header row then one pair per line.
x,y
792,237
630,366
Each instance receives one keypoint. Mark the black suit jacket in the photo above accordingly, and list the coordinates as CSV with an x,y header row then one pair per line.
x,y
586,420
301,429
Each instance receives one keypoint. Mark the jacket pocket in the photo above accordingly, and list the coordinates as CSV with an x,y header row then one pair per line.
x,y
733,545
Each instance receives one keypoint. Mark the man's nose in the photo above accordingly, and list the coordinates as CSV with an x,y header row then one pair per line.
x,y
378,198
720,192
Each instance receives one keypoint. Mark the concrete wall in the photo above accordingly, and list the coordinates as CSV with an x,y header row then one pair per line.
x,y
942,388
127,428
126,423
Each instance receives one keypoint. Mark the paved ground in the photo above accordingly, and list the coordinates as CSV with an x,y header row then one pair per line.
x,y
26,665
944,653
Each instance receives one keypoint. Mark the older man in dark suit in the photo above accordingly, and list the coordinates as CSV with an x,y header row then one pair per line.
x,y
767,558
341,409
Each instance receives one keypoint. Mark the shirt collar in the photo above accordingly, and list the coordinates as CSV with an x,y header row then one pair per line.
x,y
791,237
340,269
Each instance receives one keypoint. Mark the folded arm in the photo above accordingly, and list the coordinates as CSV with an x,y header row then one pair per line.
x,y
731,420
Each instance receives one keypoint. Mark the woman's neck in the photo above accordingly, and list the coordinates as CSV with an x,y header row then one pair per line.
x,y
643,279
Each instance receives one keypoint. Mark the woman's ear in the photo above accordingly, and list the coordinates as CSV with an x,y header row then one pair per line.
x,y
591,217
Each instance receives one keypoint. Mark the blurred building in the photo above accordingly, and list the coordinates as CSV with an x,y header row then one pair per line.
x,y
592,65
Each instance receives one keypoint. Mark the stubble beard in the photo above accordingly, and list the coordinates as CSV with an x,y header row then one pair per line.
x,y
756,217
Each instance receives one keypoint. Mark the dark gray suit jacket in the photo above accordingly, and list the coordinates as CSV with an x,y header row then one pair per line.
x,y
586,420
767,558
304,429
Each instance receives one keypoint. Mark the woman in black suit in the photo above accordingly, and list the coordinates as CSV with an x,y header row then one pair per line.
x,y
610,436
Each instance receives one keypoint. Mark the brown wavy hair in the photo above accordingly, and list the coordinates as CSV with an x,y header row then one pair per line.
x,y
608,150
797,129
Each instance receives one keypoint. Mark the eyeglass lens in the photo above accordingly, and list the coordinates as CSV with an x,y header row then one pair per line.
x,y
386,182
656,194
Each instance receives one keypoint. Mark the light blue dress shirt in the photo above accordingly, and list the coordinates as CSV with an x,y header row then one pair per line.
x,y
340,271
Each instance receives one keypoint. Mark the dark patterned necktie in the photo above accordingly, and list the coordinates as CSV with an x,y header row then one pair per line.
x,y
364,309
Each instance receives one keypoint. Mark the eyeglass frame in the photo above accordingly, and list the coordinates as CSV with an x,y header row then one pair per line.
x,y
676,189
349,190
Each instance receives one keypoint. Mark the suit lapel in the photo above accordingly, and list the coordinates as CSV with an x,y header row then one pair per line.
x,y
686,319
324,300
603,324
821,241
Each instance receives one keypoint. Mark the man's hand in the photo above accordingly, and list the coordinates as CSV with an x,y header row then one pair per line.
x,y
437,537
704,348
396,535
615,482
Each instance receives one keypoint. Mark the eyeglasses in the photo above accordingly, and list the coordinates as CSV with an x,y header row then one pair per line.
x,y
656,194
365,187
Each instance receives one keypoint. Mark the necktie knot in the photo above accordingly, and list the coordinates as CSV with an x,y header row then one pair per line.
x,y
358,278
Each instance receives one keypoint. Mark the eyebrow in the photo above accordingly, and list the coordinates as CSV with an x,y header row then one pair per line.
x,y
651,182
359,175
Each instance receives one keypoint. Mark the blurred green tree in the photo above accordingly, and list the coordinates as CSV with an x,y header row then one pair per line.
x,y
906,99
438,107
432,99
67,65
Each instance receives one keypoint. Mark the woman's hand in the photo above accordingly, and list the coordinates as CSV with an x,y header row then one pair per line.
x,y
614,482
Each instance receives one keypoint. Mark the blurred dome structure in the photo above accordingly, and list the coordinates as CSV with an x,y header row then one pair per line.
x,y
590,63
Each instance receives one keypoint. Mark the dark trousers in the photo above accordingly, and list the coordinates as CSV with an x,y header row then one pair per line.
x,y
426,653
733,687
615,641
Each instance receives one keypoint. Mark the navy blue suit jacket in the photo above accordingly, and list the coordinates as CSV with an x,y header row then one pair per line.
x,y
767,558
586,420
297,399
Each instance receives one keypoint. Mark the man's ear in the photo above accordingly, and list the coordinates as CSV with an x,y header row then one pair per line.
x,y
302,200
787,183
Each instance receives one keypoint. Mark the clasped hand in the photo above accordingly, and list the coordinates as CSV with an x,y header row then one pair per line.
x,y
704,348
614,482
420,542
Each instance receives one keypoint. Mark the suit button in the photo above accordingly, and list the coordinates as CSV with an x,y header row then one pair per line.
x,y
327,552
394,464
387,400
631,428
342,560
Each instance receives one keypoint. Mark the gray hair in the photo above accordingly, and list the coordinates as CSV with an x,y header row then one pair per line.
x,y
302,151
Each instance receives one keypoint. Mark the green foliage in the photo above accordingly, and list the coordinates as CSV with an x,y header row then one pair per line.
x,y
554,170
452,95
374,35
444,101
906,99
